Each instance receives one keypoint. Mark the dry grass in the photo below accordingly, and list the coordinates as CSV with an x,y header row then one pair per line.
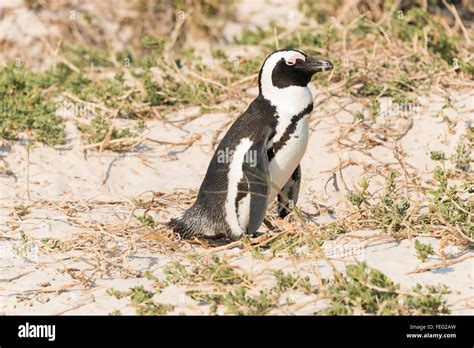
x,y
375,56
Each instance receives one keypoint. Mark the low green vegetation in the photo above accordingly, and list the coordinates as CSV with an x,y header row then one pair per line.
x,y
369,291
146,220
134,83
414,22
142,300
363,291
216,270
238,302
398,89
99,128
358,197
21,210
286,244
289,281
463,157
450,206
391,212
217,273
437,155
25,109
53,244
423,250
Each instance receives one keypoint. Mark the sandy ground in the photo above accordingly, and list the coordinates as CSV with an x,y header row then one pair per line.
x,y
84,202
73,195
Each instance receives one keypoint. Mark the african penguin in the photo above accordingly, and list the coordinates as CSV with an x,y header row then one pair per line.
x,y
258,158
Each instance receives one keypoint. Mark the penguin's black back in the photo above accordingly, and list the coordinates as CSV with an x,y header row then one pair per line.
x,y
208,211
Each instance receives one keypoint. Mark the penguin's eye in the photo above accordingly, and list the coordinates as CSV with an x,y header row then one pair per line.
x,y
291,60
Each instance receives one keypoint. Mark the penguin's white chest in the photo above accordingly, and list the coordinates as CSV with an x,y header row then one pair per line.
x,y
288,157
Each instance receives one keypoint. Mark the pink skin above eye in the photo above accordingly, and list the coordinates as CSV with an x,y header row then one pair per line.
x,y
292,59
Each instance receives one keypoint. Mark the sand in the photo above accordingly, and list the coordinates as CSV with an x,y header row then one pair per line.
x,y
35,280
86,202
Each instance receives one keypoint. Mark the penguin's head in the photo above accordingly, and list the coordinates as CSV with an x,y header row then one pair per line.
x,y
287,68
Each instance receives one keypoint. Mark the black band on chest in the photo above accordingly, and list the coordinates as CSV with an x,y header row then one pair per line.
x,y
291,129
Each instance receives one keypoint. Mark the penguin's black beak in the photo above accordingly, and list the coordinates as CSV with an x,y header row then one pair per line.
x,y
314,65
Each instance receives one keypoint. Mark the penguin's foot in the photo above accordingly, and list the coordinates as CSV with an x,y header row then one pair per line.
x,y
285,208
270,226
267,223
257,234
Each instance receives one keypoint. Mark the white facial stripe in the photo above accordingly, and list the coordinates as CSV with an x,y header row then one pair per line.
x,y
294,57
288,101
270,64
234,176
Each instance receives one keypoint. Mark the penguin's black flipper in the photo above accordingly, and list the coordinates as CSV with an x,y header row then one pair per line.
x,y
258,178
288,195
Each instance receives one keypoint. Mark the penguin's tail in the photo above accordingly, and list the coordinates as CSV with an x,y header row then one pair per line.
x,y
182,227
192,223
